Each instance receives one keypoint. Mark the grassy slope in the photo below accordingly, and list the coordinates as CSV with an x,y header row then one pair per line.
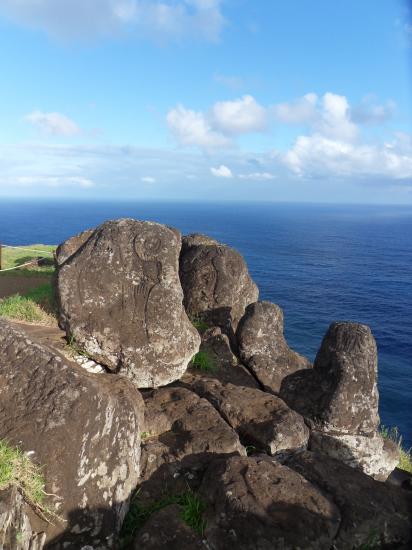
x,y
12,257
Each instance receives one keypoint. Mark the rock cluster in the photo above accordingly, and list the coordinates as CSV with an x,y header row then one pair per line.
x,y
248,446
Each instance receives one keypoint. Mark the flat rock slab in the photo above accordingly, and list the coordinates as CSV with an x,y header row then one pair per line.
x,y
178,425
374,514
120,298
83,428
259,504
261,419
263,348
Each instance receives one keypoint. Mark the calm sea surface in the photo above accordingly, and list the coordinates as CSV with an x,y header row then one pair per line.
x,y
319,263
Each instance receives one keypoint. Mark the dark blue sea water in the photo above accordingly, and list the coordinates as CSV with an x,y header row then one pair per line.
x,y
319,263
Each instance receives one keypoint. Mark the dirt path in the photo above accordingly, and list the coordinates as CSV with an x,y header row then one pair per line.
x,y
12,284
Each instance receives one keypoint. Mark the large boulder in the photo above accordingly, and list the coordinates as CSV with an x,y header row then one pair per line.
x,y
120,299
261,419
83,429
339,398
257,504
216,283
71,245
263,348
374,514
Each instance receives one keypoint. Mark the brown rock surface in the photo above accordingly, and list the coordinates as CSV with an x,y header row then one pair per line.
x,y
263,505
216,283
120,298
65,250
85,430
263,348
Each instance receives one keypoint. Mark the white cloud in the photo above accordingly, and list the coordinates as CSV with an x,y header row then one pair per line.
x,y
148,179
299,111
262,176
87,19
55,124
369,112
240,116
47,181
232,82
222,172
192,128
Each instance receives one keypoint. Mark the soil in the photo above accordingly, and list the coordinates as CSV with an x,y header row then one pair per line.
x,y
12,284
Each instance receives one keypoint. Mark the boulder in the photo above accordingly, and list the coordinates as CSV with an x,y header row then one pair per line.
x,y
65,250
179,424
257,504
16,531
374,514
263,348
84,430
339,398
261,419
120,299
216,283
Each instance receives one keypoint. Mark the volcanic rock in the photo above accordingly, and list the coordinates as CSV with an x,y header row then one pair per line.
x,y
263,348
72,245
120,299
83,429
216,283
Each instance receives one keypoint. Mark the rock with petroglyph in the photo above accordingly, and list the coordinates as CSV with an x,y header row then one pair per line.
x,y
83,429
120,298
263,347
216,282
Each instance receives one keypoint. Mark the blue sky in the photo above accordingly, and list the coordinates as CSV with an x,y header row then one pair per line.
x,y
292,100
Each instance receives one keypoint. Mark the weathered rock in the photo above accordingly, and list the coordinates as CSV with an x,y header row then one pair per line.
x,y
373,514
16,531
85,430
260,419
120,298
263,348
263,505
72,245
179,424
224,365
166,529
216,283
339,397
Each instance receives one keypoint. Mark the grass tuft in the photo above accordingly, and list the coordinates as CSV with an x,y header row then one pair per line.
x,y
12,257
191,512
203,362
405,459
17,469
200,325
36,306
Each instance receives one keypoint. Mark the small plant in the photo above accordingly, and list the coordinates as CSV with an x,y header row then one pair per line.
x,y
191,512
372,543
144,435
203,362
250,450
73,348
17,469
199,324
405,458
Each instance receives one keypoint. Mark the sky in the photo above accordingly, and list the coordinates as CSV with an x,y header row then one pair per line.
x,y
266,100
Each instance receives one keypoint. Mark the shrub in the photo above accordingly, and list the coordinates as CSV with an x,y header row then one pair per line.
x,y
203,362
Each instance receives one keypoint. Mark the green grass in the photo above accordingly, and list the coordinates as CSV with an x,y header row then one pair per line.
x,y
405,460
12,257
36,306
16,469
191,512
199,324
73,348
203,362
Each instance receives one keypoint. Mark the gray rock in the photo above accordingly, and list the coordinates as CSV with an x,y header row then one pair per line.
x,y
263,505
120,298
374,514
263,348
65,250
16,531
216,283
83,428
260,419
339,397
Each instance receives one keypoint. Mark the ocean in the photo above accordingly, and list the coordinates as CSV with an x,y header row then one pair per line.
x,y
320,263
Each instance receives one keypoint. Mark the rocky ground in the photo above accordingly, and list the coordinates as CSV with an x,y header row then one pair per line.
x,y
187,422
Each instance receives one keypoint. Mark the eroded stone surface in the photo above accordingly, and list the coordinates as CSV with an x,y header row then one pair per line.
x,y
373,514
16,531
180,424
216,283
261,419
261,504
263,348
85,430
121,299
72,245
